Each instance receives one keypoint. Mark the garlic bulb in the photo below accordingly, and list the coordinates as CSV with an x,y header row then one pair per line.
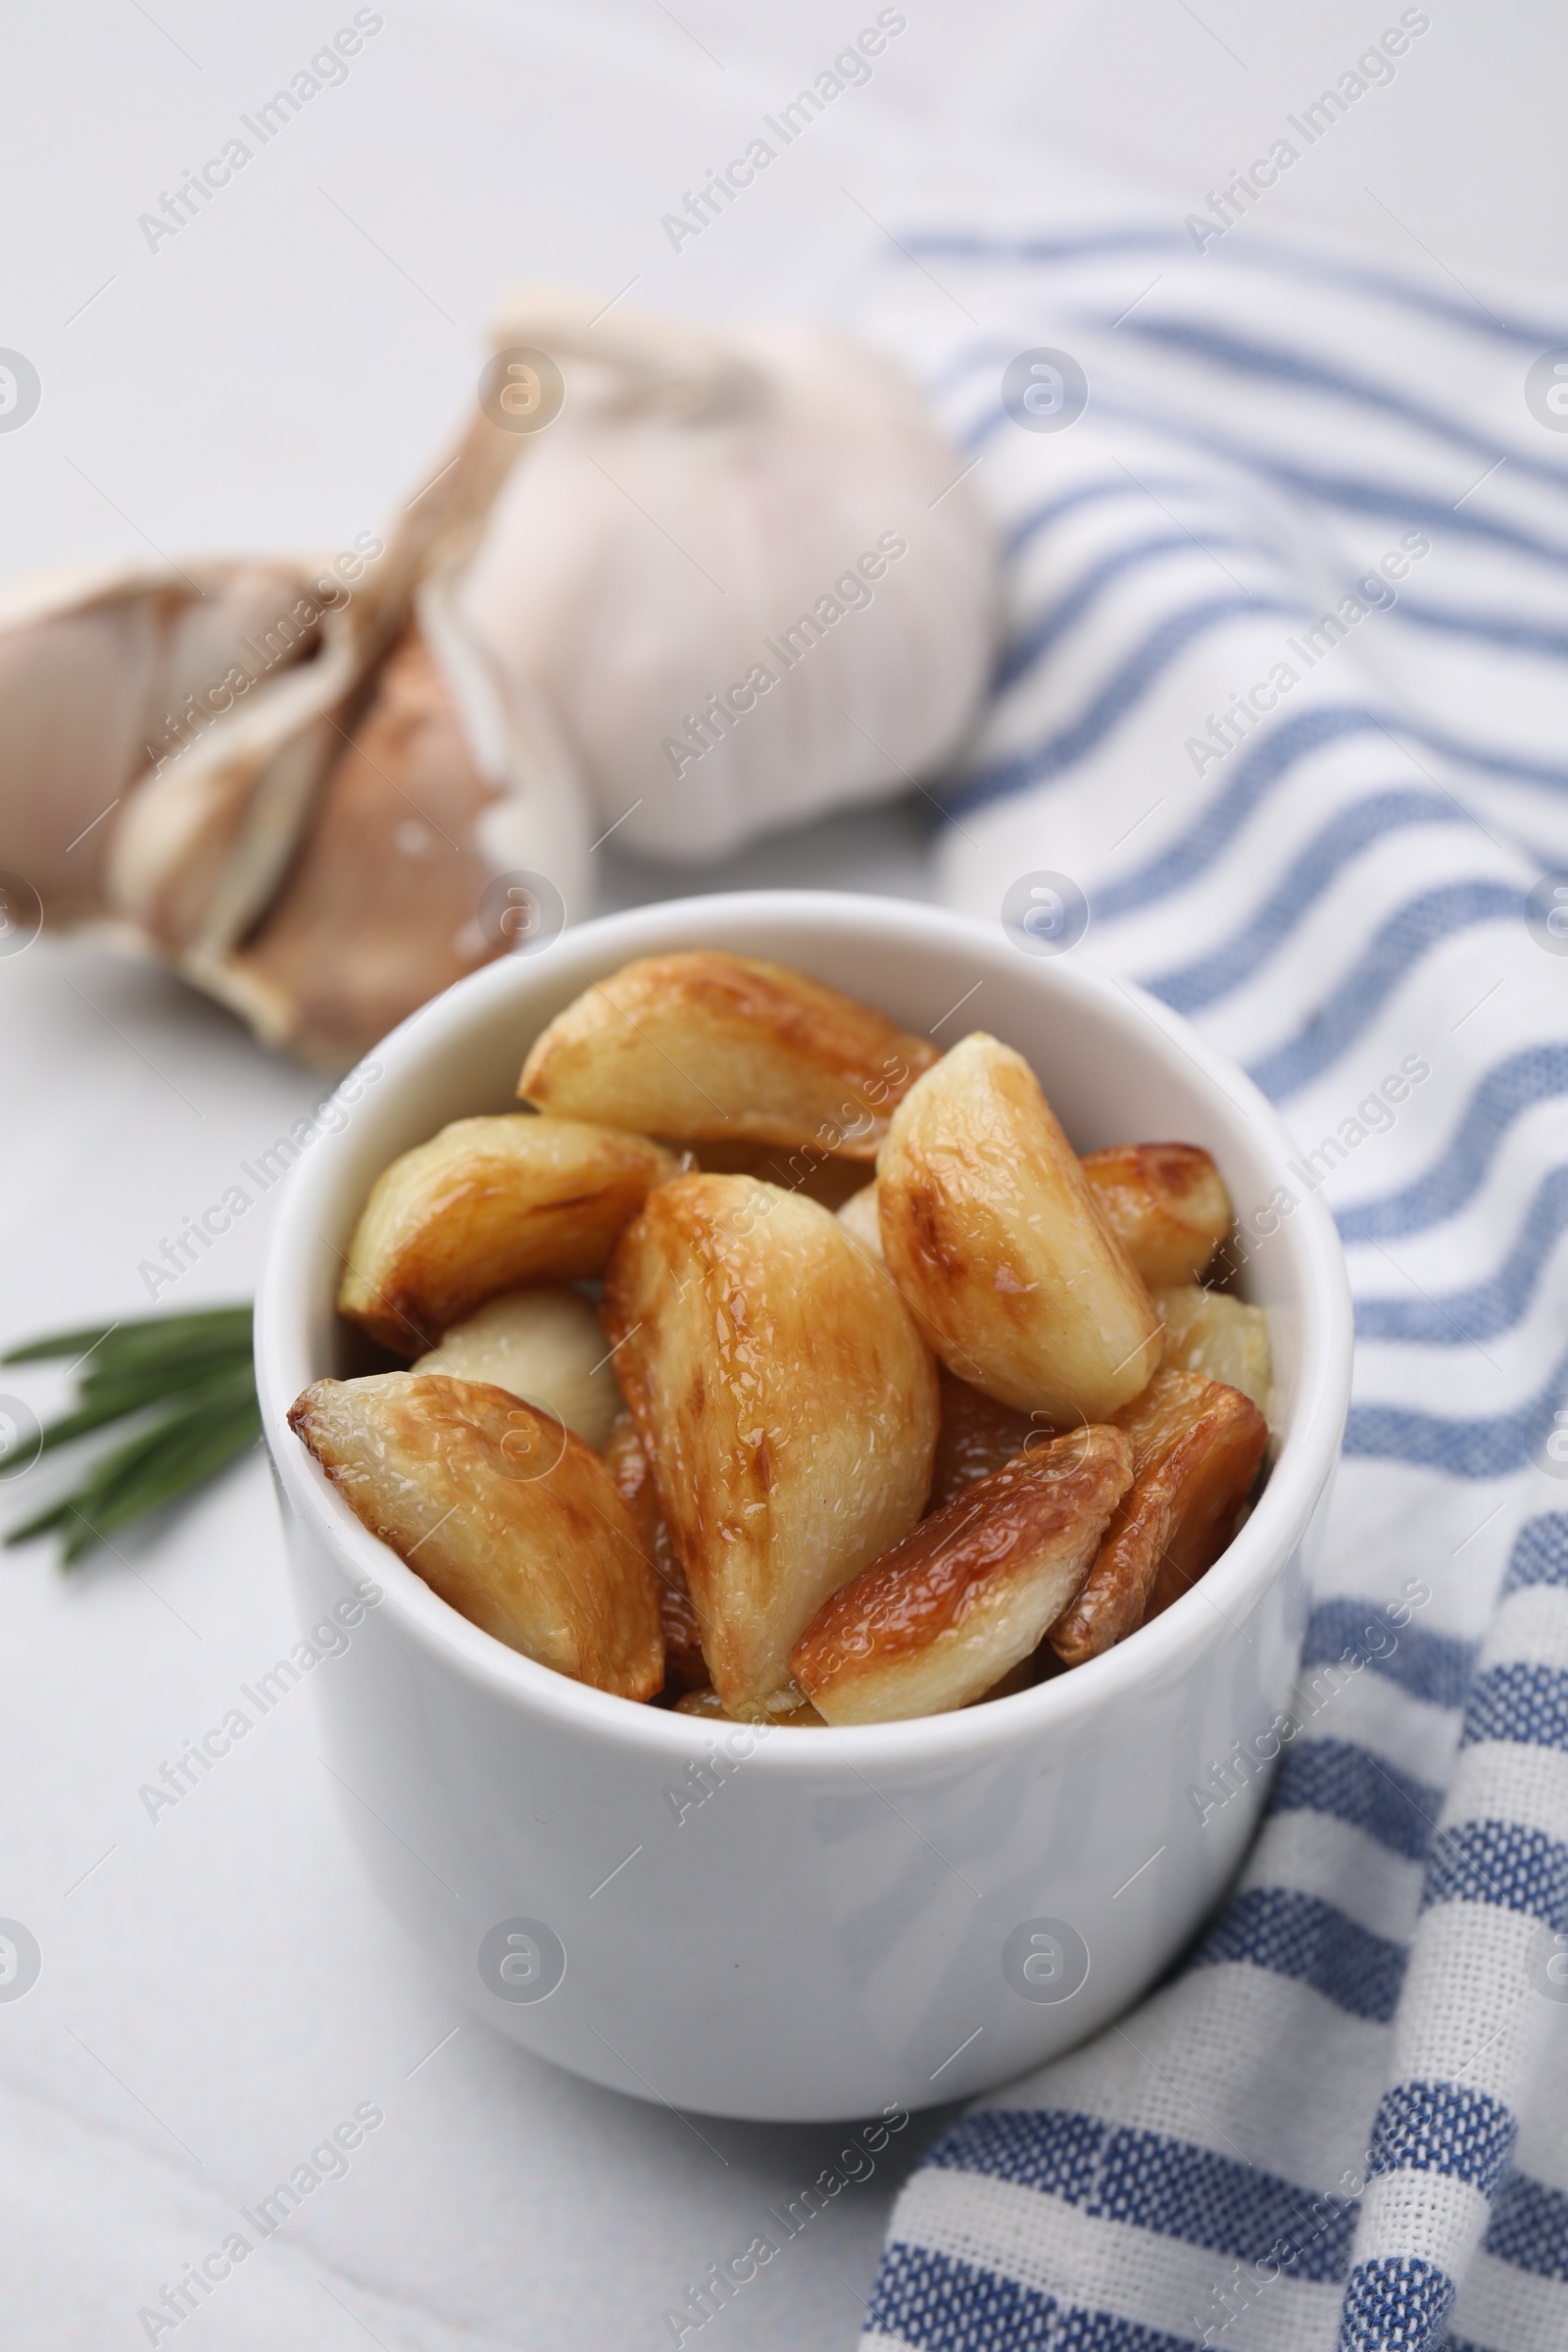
x,y
744,569
736,580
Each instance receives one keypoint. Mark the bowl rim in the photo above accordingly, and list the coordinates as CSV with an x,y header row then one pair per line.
x,y
1160,1652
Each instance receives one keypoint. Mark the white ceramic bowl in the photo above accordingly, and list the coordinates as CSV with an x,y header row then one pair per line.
x,y
791,1924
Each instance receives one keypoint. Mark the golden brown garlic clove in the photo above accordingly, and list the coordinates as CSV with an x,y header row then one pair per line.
x,y
546,1346
516,1523
964,1598
991,1231
785,1400
707,1047
1197,1445
977,1434
490,1204
1223,1337
685,1667
1167,1205
860,1219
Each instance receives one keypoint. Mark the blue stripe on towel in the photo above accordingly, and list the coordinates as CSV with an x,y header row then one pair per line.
x,y
1274,258
1540,1553
1311,870
1384,966
1400,2305
1333,1777
1052,2150
1485,1446
1170,2187
1528,2228
1508,1090
1500,1863
1301,1935
943,2305
1231,354
1445,2128
1036,639
1120,695
1263,768
1520,1702
1436,1667
1460,1318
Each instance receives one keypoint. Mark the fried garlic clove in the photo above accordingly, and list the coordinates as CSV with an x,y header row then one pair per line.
x,y
516,1523
949,1611
707,1047
1223,1337
991,1231
685,1667
976,1436
860,1222
786,1402
543,1344
490,1204
1166,1203
1197,1445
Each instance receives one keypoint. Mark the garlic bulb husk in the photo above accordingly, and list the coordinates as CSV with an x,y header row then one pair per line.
x,y
454,780
106,673
303,820
744,570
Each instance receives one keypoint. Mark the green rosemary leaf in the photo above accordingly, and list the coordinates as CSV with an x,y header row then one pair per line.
x,y
112,1401
156,1468
197,1367
57,1517
142,1337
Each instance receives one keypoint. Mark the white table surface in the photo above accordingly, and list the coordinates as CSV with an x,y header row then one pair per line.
x,y
219,1989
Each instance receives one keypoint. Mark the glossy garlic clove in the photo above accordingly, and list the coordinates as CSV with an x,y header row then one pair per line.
x,y
964,1598
785,1400
516,1523
990,1229
977,1434
1220,1337
490,1204
706,1048
685,1667
1166,1203
1197,1445
860,1219
546,1346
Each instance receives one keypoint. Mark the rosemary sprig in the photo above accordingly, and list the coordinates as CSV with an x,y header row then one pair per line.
x,y
197,1367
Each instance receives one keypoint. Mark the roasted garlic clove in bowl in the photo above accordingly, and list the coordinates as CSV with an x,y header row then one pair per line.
x,y
544,1346
487,1206
785,1400
1166,1203
1197,1446
701,1047
991,1229
516,1523
964,1597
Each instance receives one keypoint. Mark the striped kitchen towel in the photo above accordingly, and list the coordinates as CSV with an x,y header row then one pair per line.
x,y
1283,717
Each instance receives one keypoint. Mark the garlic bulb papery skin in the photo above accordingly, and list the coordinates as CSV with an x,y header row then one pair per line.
x,y
316,852
106,676
745,571
454,779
